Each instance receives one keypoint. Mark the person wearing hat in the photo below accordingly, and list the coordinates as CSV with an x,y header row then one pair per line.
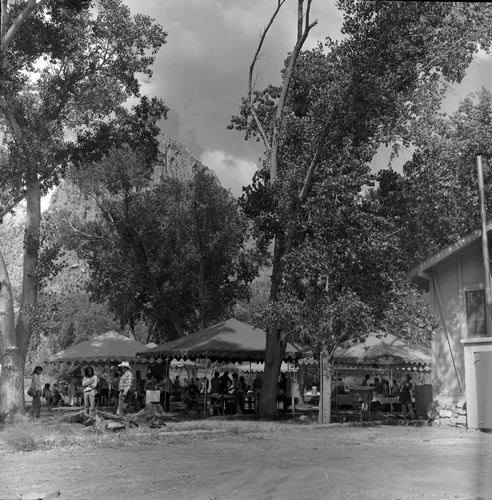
x,y
125,388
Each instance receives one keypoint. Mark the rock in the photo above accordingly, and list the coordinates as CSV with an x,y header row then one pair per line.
x,y
445,413
115,426
40,495
100,424
460,405
461,420
461,412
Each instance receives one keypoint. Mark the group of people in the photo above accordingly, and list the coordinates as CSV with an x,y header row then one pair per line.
x,y
91,386
121,391
402,390
53,395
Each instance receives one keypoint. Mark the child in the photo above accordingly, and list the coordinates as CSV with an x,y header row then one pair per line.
x,y
57,397
47,394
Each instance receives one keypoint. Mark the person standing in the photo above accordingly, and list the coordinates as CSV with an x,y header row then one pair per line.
x,y
89,384
125,388
36,389
238,393
176,388
166,388
225,383
405,396
215,384
114,395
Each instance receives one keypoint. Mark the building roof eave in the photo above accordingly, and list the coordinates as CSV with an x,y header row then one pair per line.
x,y
422,269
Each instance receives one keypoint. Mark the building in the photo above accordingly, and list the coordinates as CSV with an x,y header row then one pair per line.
x,y
461,345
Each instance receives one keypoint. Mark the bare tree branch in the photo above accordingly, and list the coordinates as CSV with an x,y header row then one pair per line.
x,y
251,72
91,236
4,18
283,96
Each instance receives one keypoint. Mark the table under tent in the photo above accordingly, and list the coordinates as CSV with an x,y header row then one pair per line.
x,y
230,341
385,355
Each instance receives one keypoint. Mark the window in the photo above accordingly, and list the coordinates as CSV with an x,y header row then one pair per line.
x,y
475,313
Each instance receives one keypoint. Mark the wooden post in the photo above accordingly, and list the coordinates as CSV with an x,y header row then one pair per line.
x,y
485,244
321,378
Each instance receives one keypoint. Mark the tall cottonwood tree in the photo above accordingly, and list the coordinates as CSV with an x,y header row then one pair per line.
x,y
64,66
170,254
335,106
437,190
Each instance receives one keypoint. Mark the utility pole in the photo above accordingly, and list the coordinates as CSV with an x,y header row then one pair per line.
x,y
485,245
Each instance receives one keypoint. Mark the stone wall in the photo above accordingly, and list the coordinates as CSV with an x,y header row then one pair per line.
x,y
448,415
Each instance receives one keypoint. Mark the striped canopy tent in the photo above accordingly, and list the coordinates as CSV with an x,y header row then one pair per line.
x,y
230,341
106,348
384,350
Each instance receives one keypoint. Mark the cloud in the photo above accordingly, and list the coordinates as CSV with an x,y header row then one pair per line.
x,y
202,70
233,173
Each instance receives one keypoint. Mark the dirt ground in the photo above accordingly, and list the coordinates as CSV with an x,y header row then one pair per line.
x,y
246,459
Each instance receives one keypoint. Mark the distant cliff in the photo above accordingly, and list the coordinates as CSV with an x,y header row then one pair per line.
x,y
175,161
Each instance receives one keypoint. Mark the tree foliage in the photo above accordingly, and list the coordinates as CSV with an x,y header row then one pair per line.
x,y
437,194
170,255
65,66
333,249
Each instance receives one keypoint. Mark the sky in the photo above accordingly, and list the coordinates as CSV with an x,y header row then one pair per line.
x,y
201,72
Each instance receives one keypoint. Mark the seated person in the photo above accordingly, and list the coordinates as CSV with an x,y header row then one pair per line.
x,y
378,386
47,394
395,388
57,397
190,397
339,387
257,383
282,384
385,385
150,382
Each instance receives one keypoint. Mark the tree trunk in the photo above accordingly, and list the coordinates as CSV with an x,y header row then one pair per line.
x,y
325,376
275,348
15,339
275,351
29,295
301,379
12,365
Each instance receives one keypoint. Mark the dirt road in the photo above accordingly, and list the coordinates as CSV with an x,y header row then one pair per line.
x,y
248,460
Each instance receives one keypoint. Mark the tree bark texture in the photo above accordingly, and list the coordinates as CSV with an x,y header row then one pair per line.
x,y
31,252
12,364
326,374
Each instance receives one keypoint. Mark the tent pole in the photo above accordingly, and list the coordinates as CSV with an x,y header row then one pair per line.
x,y
205,388
292,385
